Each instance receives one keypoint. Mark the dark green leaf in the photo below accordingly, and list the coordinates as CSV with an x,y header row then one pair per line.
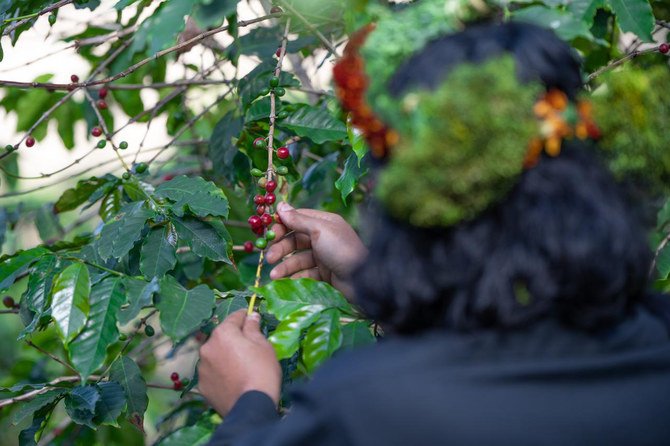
x,y
125,372
111,403
203,239
634,16
70,305
159,252
183,311
41,400
120,234
357,334
317,124
259,110
29,436
322,339
230,305
18,264
37,296
663,262
88,350
139,295
350,176
47,223
222,148
202,198
80,404
73,198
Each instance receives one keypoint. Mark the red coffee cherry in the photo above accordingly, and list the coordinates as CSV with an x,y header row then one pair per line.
x,y
102,94
102,105
177,385
255,222
664,48
260,210
30,141
259,199
266,219
248,247
271,186
174,376
283,153
74,78
8,302
270,198
97,131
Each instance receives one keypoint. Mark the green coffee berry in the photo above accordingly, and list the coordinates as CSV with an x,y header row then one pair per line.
x,y
257,172
149,331
123,145
141,167
261,243
281,170
274,82
102,144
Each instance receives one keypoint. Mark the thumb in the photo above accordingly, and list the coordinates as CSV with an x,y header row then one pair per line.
x,y
252,326
297,221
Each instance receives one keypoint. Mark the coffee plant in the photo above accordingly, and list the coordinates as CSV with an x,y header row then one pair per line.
x,y
138,264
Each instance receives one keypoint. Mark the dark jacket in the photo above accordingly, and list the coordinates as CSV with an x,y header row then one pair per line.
x,y
546,385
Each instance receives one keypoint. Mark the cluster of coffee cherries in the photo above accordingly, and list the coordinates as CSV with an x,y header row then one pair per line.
x,y
282,152
97,132
177,383
261,221
9,302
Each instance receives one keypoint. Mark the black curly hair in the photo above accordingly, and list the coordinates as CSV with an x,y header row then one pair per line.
x,y
565,243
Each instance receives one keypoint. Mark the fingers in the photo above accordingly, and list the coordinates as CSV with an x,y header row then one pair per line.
x,y
312,273
234,320
298,221
286,246
293,264
252,327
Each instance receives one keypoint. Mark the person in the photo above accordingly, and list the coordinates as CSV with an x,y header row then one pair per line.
x,y
518,315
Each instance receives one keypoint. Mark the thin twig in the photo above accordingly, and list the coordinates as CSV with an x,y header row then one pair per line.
x,y
46,10
617,62
329,46
52,356
138,65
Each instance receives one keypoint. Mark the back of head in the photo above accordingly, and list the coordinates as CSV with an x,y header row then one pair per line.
x,y
562,244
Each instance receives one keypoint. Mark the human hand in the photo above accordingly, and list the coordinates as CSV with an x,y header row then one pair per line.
x,y
236,359
322,246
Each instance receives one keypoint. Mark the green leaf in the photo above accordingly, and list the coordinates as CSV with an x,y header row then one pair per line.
x,y
195,435
18,264
222,148
41,400
259,110
565,24
322,339
350,176
183,311
634,16
88,350
47,223
357,334
30,435
286,296
211,13
137,190
110,205
125,372
139,295
286,337
159,252
230,305
120,234
70,305
203,239
316,124
202,198
75,197
161,29
111,403
80,404
37,296
663,262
